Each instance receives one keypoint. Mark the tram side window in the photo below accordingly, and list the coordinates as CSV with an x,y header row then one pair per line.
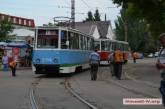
x,y
63,39
106,46
126,47
84,45
110,46
88,43
74,41
103,45
113,46
91,44
81,42
70,38
47,39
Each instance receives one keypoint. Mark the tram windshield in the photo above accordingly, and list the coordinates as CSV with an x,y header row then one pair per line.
x,y
97,45
47,38
105,45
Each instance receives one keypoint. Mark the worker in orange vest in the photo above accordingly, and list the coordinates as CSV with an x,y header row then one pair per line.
x,y
118,61
12,65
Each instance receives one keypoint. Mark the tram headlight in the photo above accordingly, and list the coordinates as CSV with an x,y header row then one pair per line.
x,y
38,60
55,60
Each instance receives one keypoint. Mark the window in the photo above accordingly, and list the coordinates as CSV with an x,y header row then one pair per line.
x,y
14,20
3,17
92,43
46,40
103,45
97,45
81,42
30,23
84,43
19,21
76,41
24,22
88,43
63,39
9,18
70,37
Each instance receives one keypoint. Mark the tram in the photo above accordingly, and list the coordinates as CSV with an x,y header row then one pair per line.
x,y
106,47
61,50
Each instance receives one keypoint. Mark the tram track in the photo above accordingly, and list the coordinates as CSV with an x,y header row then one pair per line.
x,y
131,89
35,104
76,95
35,101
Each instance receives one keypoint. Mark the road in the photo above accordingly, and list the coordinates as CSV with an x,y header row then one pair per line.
x,y
140,80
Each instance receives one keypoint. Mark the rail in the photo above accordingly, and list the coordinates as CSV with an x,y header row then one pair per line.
x,y
68,87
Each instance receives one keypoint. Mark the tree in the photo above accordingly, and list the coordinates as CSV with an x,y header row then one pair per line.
x,y
5,28
50,24
90,16
139,37
97,15
150,10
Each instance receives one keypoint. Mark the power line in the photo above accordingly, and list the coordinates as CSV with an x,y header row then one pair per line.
x,y
67,2
86,4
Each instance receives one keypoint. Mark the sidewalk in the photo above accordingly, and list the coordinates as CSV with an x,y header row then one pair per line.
x,y
18,68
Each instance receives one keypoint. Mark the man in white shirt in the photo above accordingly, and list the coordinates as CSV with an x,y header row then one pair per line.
x,y
94,59
5,62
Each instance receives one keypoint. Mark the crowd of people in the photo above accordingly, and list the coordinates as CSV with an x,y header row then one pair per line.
x,y
116,60
14,61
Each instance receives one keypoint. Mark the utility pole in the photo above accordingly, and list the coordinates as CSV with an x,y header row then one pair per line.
x,y
126,30
73,13
125,22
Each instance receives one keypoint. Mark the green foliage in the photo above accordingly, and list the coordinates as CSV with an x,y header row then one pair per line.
x,y
90,16
139,37
50,24
153,11
5,28
96,16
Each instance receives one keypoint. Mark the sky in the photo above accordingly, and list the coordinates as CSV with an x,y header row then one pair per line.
x,y
43,11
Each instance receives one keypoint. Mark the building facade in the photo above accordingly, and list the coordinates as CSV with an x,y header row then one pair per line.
x,y
23,27
18,21
98,29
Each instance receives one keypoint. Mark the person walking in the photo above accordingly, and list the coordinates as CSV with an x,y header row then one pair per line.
x,y
134,55
94,63
13,65
118,61
5,61
160,64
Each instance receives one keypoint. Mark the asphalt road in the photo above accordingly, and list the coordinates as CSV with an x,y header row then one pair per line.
x,y
105,93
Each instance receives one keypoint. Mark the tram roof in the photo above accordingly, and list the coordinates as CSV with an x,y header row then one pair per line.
x,y
63,28
124,42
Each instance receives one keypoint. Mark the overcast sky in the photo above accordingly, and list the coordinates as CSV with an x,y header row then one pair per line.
x,y
43,11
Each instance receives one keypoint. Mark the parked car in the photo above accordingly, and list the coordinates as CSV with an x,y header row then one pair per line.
x,y
156,54
151,55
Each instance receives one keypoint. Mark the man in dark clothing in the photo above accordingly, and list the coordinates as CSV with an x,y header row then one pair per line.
x,y
118,61
94,62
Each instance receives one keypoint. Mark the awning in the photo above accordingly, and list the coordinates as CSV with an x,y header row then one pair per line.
x,y
18,45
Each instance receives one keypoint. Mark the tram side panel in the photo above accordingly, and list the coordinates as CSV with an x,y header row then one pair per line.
x,y
60,61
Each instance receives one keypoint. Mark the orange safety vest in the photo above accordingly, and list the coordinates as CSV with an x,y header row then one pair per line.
x,y
118,56
12,64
